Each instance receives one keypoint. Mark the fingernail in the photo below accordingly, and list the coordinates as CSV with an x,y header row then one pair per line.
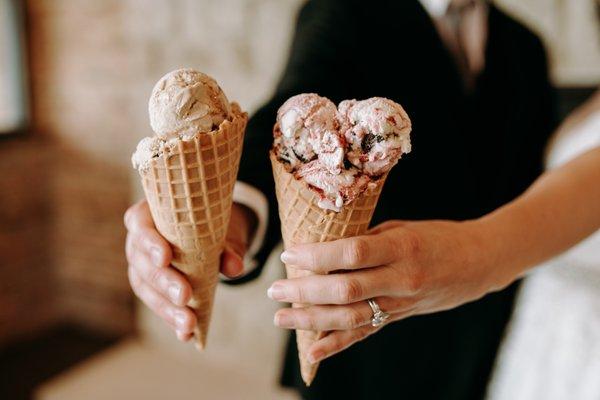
x,y
180,320
289,256
174,293
237,255
283,320
234,268
276,292
315,357
156,256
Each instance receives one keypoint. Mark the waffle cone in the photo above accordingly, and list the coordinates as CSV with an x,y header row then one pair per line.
x,y
189,190
303,221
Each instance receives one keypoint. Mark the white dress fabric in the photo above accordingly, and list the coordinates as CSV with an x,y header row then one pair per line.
x,y
552,347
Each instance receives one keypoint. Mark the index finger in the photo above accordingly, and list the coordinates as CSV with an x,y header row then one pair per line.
x,y
138,217
140,225
344,254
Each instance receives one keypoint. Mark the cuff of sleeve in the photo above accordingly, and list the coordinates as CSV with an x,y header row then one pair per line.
x,y
253,198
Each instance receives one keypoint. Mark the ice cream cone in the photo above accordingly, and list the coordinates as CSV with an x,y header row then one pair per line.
x,y
303,221
189,190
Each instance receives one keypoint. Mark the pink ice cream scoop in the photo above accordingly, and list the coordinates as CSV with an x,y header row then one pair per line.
x,y
340,151
377,133
307,129
334,190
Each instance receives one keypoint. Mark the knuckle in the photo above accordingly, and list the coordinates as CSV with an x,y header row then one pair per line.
x,y
412,245
391,246
127,216
357,251
337,343
415,281
155,277
312,260
156,303
308,320
132,217
299,294
350,290
147,241
353,318
159,306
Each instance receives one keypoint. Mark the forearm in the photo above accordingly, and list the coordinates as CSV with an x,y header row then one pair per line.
x,y
560,209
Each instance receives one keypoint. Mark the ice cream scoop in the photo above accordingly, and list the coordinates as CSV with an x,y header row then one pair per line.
x,y
307,129
149,148
377,133
335,190
339,151
185,102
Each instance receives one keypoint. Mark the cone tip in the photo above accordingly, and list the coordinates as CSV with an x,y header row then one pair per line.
x,y
200,343
308,374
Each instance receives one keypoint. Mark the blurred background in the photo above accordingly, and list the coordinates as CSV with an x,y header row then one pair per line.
x,y
75,76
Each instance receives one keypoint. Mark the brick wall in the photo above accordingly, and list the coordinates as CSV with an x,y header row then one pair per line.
x,y
79,63
26,276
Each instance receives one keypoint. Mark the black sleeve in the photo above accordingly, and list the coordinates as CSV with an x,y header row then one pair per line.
x,y
319,62
543,116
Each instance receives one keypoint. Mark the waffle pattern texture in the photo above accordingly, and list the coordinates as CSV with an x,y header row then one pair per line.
x,y
303,221
189,190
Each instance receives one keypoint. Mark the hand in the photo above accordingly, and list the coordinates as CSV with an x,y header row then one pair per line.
x,y
409,268
161,287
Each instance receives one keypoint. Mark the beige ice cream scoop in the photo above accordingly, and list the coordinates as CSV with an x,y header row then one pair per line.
x,y
185,102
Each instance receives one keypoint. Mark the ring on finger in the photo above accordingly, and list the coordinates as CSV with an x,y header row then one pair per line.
x,y
379,316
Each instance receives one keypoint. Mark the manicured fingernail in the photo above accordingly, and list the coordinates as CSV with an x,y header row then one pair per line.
x,y
174,293
276,292
283,320
289,256
315,357
156,255
180,319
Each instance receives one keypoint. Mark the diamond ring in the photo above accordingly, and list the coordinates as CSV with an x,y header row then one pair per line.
x,y
379,317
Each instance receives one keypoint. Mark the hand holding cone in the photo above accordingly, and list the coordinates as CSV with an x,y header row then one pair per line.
x,y
320,200
188,174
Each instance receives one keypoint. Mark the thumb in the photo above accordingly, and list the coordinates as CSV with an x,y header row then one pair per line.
x,y
232,263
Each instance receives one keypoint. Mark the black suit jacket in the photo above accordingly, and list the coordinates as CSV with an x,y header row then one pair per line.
x,y
472,152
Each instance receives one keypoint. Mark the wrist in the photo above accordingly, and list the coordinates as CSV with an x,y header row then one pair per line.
x,y
493,251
